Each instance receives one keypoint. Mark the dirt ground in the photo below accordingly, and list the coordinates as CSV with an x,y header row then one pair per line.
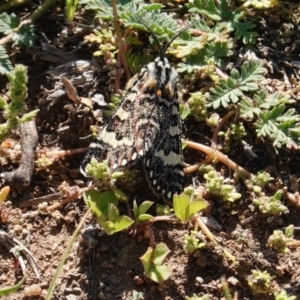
x,y
112,269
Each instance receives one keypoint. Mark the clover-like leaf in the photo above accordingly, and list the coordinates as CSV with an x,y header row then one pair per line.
x,y
152,262
185,208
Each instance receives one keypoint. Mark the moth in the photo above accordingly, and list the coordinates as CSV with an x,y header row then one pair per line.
x,y
145,128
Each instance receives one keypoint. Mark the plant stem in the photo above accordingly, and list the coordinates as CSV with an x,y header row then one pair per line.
x,y
11,4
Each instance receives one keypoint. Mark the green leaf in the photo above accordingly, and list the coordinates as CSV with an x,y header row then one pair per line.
x,y
248,109
146,259
113,213
152,262
139,211
221,12
184,111
145,217
115,222
180,203
103,6
160,253
99,201
121,223
185,208
25,36
205,7
194,207
3,103
144,207
29,116
230,90
211,54
161,24
8,23
5,291
244,31
121,196
159,274
280,127
6,67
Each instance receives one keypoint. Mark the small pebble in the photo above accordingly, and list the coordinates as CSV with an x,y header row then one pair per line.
x,y
18,228
33,290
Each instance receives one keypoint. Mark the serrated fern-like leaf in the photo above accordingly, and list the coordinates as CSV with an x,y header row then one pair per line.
x,y
161,24
233,18
248,109
25,36
231,89
103,6
211,54
273,100
5,64
212,44
279,127
244,31
205,7
8,23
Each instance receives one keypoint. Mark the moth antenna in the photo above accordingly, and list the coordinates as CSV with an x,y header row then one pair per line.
x,y
154,36
163,53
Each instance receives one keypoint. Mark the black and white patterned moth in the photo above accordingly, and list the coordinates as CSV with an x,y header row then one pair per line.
x,y
146,127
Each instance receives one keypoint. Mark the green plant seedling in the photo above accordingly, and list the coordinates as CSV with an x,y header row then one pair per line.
x,y
216,185
271,205
140,211
282,295
104,206
71,6
258,181
14,111
185,208
279,240
192,242
164,210
260,282
153,260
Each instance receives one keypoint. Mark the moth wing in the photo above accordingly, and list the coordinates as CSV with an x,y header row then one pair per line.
x,y
163,164
128,132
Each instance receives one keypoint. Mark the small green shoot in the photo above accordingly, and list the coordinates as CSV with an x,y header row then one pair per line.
x,y
279,240
164,210
192,242
260,282
270,205
234,133
216,185
282,295
197,106
257,182
153,260
100,171
15,109
71,6
104,206
140,211
185,207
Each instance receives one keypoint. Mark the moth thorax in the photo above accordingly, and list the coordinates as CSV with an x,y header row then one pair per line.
x,y
161,72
